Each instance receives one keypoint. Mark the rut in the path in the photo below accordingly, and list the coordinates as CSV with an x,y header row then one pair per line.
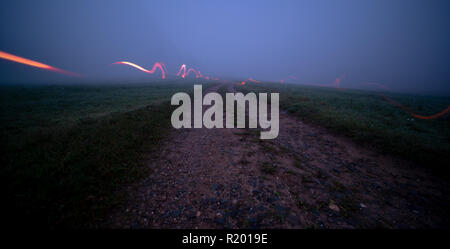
x,y
305,178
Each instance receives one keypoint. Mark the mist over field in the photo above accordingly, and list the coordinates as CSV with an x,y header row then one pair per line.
x,y
402,45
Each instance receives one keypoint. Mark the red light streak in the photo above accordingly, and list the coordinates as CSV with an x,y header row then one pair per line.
x,y
183,73
393,102
197,75
437,115
405,109
183,67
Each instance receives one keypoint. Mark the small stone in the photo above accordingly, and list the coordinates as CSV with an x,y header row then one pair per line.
x,y
334,207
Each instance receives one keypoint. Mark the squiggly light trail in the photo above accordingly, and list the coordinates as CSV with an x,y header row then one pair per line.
x,y
32,63
183,73
159,65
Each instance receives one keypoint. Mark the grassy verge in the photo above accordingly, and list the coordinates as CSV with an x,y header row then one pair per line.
x,y
69,151
366,117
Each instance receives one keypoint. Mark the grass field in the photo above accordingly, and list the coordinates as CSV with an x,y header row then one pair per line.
x,y
68,150
366,117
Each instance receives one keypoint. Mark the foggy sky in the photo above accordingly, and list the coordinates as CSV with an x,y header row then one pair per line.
x,y
402,44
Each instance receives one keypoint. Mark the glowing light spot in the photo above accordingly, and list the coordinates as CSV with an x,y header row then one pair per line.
x,y
159,65
32,63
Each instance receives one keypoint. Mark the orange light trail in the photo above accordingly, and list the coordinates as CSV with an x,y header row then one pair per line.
x,y
395,103
18,59
437,115
337,85
159,65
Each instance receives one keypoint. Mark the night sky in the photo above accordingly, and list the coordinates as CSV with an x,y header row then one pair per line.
x,y
402,44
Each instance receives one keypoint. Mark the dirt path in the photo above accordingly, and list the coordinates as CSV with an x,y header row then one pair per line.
x,y
305,178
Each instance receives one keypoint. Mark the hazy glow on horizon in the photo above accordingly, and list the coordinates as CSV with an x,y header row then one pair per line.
x,y
401,44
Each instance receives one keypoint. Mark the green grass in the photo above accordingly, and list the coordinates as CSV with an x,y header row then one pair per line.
x,y
367,118
25,105
69,151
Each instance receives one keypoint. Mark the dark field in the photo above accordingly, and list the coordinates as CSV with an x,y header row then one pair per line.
x,y
368,118
68,151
